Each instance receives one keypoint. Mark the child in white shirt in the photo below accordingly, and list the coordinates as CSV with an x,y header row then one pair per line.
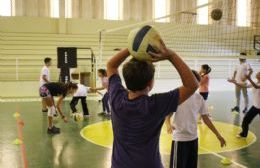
x,y
184,152
45,78
81,94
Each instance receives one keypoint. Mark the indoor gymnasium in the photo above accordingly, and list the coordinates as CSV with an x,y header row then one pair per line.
x,y
129,83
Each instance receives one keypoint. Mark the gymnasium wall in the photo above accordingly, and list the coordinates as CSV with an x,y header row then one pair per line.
x,y
25,41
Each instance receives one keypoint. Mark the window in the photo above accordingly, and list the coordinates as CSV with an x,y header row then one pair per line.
x,y
203,12
55,8
113,9
7,7
243,12
161,8
68,8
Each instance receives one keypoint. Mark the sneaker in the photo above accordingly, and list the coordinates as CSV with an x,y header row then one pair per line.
x,y
245,110
56,128
53,130
44,110
240,136
102,113
236,108
108,114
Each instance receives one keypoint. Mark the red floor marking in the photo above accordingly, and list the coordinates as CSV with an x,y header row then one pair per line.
x,y
20,125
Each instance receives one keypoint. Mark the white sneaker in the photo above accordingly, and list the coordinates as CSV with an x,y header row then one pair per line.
x,y
239,136
86,116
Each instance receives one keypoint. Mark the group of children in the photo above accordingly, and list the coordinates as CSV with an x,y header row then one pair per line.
x,y
137,118
48,90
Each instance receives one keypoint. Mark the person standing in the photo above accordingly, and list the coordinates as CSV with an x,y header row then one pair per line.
x,y
45,78
137,118
102,74
255,109
204,83
240,73
184,150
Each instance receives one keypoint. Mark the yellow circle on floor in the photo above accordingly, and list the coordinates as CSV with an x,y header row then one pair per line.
x,y
101,134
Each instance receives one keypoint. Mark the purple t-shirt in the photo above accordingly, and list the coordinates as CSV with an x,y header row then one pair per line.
x,y
137,125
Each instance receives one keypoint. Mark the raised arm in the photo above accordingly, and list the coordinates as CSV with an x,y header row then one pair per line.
x,y
189,81
210,125
168,123
116,61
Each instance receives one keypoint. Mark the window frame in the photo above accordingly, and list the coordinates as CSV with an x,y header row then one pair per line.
x,y
120,10
246,16
52,10
11,11
167,11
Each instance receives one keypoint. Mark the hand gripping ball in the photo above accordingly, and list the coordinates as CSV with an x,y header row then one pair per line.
x,y
142,40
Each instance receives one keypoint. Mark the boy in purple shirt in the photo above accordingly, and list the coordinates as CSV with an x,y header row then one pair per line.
x,y
137,118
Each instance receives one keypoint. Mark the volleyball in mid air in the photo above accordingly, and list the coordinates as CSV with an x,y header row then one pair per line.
x,y
216,14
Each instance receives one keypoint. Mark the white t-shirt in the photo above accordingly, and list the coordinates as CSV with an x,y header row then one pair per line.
x,y
186,117
256,96
242,71
81,91
45,71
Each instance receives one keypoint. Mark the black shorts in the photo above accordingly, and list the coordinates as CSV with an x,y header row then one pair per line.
x,y
184,154
204,95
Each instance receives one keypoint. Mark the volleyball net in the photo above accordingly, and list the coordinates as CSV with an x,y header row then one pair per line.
x,y
198,38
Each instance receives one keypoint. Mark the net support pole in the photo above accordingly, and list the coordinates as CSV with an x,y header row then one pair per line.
x,y
100,44
17,68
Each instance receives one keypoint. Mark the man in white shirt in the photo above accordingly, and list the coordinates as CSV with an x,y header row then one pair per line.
x,y
184,153
45,78
255,109
239,76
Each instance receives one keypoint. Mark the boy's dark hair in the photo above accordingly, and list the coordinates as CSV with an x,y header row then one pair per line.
x,y
137,74
206,67
243,53
197,75
103,72
47,60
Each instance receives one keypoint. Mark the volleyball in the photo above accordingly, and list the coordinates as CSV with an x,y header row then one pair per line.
x,y
143,40
77,117
216,14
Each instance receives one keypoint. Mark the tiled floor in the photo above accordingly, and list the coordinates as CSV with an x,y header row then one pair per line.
x,y
70,150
